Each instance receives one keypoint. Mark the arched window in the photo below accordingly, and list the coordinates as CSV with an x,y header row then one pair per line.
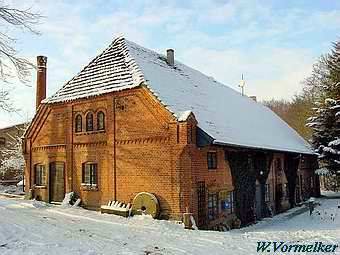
x,y
79,123
89,122
100,121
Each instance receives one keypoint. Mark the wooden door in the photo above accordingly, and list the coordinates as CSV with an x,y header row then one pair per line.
x,y
57,187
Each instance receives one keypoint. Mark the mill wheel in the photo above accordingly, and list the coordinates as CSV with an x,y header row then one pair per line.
x,y
145,203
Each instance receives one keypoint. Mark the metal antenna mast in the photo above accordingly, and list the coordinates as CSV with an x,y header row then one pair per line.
x,y
241,85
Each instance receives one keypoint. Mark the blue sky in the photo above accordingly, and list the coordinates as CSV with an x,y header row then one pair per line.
x,y
274,43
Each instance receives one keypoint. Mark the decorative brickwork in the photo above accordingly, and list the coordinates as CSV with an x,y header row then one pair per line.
x,y
143,148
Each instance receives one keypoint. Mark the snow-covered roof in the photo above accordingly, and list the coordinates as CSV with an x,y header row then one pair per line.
x,y
224,114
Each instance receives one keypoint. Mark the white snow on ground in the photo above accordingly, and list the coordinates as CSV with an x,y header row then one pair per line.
x,y
11,189
31,227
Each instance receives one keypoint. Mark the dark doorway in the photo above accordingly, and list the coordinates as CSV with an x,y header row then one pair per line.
x,y
258,202
278,198
57,182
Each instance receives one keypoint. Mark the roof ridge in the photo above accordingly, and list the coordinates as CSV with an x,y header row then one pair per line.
x,y
136,72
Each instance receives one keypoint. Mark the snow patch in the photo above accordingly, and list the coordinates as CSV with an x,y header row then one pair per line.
x,y
67,199
322,171
183,116
335,142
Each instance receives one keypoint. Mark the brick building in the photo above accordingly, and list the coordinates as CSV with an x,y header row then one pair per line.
x,y
134,120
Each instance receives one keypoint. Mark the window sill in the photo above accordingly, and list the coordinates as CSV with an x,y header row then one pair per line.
x,y
89,132
40,186
89,187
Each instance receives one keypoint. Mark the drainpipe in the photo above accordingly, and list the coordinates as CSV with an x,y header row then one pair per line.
x,y
72,133
114,151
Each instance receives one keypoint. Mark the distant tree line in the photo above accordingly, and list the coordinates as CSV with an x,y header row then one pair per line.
x,y
295,112
315,112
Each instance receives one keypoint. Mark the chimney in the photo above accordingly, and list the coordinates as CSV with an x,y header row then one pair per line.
x,y
253,97
41,79
170,57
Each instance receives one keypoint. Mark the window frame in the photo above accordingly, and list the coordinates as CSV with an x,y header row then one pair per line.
x,y
99,127
40,178
78,129
267,197
93,174
212,160
89,128
230,200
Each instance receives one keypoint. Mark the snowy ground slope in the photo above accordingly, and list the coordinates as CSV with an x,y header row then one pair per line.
x,y
28,227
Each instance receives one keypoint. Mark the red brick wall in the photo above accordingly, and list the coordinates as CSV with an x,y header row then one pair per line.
x,y
216,180
153,152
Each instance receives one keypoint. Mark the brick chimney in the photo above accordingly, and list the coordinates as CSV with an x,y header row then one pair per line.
x,y
170,57
41,79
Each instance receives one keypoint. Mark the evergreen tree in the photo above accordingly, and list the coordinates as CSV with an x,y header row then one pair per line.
x,y
325,121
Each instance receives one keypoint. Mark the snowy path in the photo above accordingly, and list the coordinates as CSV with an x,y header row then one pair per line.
x,y
28,227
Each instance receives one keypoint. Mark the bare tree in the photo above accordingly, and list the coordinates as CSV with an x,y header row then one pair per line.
x,y
12,158
11,64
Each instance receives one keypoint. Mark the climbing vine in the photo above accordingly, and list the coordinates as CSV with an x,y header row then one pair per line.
x,y
246,167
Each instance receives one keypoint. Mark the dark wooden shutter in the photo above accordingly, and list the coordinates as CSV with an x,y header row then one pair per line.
x,y
43,179
83,173
94,174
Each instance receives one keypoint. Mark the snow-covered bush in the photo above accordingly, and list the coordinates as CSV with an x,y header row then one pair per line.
x,y
71,199
12,158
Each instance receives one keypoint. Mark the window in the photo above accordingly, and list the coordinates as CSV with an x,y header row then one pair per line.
x,y
89,122
89,173
100,121
212,206
212,160
2,141
286,191
267,193
79,123
40,174
227,201
311,182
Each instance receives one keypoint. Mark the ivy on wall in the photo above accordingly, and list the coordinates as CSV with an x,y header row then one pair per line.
x,y
246,167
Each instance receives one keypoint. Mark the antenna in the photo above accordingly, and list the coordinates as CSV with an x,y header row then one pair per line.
x,y
241,85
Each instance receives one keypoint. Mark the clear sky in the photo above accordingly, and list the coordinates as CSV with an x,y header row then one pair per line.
x,y
274,43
